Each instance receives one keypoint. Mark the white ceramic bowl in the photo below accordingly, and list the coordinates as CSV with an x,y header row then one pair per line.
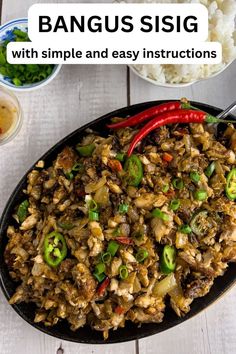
x,y
9,98
5,32
180,85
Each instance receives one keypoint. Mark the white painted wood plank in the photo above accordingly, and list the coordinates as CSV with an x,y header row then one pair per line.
x,y
213,331
218,91
79,94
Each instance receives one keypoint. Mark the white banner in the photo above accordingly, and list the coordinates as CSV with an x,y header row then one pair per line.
x,y
116,34
28,53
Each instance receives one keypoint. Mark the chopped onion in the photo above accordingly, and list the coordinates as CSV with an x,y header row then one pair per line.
x,y
164,286
102,196
94,186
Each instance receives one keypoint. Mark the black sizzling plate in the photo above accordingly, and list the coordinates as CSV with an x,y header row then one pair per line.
x,y
85,334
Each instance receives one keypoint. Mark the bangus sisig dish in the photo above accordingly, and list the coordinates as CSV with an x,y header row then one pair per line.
x,y
123,232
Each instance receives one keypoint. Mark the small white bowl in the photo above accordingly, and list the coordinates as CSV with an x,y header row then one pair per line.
x,y
180,85
5,31
9,98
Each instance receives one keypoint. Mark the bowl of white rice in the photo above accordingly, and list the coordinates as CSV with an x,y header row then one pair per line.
x,y
222,28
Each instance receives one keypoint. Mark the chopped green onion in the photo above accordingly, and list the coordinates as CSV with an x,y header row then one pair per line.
x,y
23,211
77,167
112,247
106,257
123,208
195,177
69,176
21,34
99,277
17,82
165,188
120,156
210,169
200,195
141,255
174,204
100,268
138,235
157,213
116,232
185,229
123,271
93,215
86,150
92,205
19,74
178,183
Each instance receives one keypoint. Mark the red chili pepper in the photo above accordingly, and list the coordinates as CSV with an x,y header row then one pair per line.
x,y
170,193
101,289
119,310
148,114
80,192
115,165
124,240
167,157
173,117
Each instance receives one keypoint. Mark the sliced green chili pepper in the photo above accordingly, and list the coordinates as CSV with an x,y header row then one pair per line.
x,y
168,257
178,183
210,169
55,249
93,215
23,211
99,277
106,257
134,170
123,208
185,229
198,222
174,204
200,195
165,188
230,188
65,225
194,176
157,213
113,247
120,156
86,150
123,271
141,255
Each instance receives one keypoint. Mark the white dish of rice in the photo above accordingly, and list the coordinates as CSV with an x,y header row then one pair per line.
x,y
222,15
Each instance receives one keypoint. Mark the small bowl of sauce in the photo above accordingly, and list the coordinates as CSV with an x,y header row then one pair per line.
x,y
10,116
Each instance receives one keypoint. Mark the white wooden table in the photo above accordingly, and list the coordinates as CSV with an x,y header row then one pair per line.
x,y
80,94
